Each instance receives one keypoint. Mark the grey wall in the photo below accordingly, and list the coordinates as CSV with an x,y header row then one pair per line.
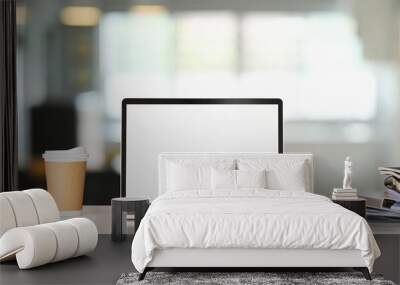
x,y
329,162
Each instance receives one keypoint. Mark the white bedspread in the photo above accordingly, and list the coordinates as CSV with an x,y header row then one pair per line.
x,y
250,218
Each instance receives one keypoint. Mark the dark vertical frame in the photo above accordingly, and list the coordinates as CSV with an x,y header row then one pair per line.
x,y
8,97
188,101
123,150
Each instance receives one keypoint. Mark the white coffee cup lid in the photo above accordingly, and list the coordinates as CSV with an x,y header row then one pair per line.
x,y
73,154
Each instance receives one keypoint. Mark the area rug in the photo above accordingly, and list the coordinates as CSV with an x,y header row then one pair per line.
x,y
268,278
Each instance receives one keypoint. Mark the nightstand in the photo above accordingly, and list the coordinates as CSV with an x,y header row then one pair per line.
x,y
357,206
120,208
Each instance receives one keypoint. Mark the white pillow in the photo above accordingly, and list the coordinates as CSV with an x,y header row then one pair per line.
x,y
223,179
184,177
251,178
289,176
282,174
236,179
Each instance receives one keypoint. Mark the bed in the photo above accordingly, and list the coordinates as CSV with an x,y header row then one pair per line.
x,y
247,210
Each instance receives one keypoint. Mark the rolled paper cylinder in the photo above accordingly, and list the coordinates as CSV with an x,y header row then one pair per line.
x,y
33,246
23,208
45,205
87,234
7,218
67,240
40,244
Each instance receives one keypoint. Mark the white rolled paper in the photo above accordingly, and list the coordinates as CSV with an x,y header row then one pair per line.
x,y
67,240
37,245
87,234
33,246
23,207
45,205
7,218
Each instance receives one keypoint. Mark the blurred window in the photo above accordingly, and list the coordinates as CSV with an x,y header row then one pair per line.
x,y
136,57
206,55
313,61
205,42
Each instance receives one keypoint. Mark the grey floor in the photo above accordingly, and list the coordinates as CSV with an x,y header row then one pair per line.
x,y
102,266
111,259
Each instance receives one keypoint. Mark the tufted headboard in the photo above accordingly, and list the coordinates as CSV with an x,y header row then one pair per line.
x,y
231,158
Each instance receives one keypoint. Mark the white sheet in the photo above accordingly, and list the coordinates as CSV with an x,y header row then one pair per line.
x,y
251,218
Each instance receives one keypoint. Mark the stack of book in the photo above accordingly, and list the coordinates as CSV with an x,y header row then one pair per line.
x,y
392,177
394,196
387,206
344,194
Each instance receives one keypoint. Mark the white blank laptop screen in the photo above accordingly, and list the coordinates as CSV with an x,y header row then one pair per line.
x,y
155,128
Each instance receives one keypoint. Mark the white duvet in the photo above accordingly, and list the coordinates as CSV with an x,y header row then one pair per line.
x,y
251,218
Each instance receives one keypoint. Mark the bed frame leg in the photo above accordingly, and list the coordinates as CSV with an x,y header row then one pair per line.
x,y
143,274
364,271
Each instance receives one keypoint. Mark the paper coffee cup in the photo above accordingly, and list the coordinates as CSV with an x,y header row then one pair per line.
x,y
65,177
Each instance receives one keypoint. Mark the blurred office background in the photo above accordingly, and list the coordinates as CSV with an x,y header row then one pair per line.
x,y
334,63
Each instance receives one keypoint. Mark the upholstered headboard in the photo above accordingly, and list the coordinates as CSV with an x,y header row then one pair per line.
x,y
165,158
